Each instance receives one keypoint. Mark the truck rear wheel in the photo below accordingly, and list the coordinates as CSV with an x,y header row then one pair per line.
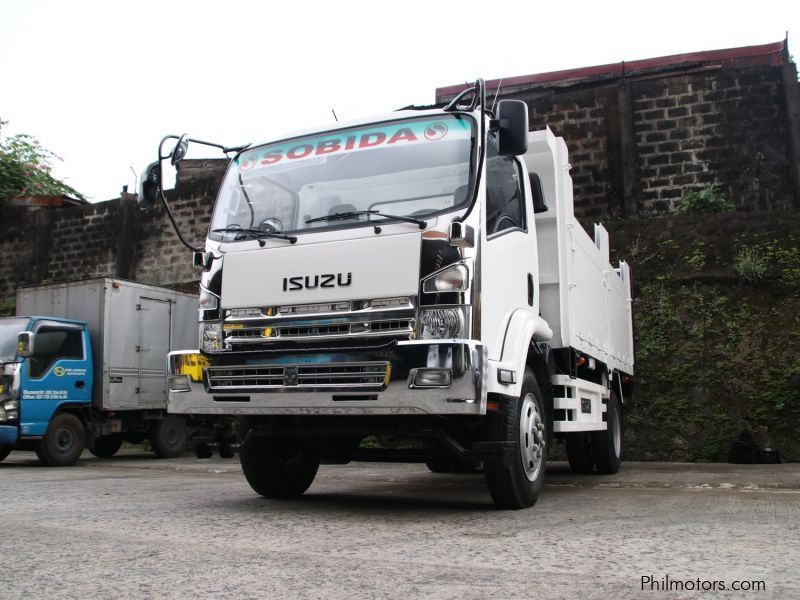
x,y
63,443
519,483
275,467
579,452
607,445
169,437
106,446
5,451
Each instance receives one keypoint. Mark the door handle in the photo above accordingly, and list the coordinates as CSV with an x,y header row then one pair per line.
x,y
530,289
80,384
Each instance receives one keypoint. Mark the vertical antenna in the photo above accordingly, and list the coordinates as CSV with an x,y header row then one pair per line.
x,y
335,118
496,94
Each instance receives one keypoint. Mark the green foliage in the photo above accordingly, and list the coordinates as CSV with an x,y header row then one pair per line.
x,y
25,168
700,202
697,259
8,307
750,264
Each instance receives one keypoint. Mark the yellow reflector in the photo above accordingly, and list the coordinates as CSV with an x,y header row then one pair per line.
x,y
229,326
388,374
267,331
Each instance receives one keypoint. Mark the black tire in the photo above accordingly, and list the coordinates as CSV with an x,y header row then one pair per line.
x,y
107,446
278,467
518,484
607,445
63,442
169,436
5,451
579,452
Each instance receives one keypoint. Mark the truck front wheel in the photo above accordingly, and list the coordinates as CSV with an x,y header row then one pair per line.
x,y
5,451
63,443
516,480
169,437
276,467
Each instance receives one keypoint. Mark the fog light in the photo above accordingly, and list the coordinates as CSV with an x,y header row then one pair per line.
x,y
433,378
179,383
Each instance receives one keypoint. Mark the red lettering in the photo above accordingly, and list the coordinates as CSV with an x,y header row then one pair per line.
x,y
272,157
403,134
328,146
300,151
365,142
246,164
351,141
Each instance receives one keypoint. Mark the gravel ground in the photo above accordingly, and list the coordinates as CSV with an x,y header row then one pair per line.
x,y
136,527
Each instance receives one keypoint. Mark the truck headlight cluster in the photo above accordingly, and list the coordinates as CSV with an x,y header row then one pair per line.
x,y
207,300
451,279
9,410
211,339
440,323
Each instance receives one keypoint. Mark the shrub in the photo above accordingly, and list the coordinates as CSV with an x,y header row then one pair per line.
x,y
701,202
750,264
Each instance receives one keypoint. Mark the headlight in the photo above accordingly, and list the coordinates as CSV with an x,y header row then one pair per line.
x,y
211,337
452,279
440,323
10,410
207,300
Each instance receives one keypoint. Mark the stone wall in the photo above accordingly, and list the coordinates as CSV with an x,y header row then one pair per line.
x,y
639,141
109,238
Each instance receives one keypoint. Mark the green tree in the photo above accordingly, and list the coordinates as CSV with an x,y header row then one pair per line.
x,y
25,168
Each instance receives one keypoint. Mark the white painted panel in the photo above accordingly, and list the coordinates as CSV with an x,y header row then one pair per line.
x,y
379,267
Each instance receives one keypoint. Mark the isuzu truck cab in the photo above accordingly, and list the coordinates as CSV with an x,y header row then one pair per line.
x,y
412,287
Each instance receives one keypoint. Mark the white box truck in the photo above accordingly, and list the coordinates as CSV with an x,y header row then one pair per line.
x,y
420,280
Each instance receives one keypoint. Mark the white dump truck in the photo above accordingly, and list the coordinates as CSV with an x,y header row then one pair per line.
x,y
410,288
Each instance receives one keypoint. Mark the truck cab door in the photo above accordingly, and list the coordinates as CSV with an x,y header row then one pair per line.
x,y
59,372
510,257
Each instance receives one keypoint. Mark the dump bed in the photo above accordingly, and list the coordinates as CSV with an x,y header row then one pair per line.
x,y
585,300
132,326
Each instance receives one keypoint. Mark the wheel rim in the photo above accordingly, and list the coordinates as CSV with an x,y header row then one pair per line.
x,y
65,440
172,436
531,437
617,435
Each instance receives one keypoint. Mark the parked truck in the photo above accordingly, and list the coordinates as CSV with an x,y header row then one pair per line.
x,y
408,288
83,365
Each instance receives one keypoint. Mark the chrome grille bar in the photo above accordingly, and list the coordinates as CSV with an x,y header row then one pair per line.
x,y
372,375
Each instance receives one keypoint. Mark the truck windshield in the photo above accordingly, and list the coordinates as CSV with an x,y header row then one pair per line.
x,y
9,328
412,168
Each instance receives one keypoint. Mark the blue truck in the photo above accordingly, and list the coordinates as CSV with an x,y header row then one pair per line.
x,y
82,366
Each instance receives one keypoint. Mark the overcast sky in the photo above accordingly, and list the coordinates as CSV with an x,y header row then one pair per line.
x,y
99,83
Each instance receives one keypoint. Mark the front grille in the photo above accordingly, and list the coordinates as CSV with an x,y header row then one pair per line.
x,y
393,327
372,375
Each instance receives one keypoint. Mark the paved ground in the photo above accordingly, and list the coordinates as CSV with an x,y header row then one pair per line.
x,y
137,527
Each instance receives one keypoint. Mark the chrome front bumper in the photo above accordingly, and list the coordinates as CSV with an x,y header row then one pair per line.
x,y
396,395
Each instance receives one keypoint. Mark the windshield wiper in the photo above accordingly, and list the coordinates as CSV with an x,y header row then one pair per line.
x,y
357,213
257,234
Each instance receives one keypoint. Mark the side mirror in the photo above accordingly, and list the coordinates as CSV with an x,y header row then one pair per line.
x,y
25,344
148,188
512,133
180,149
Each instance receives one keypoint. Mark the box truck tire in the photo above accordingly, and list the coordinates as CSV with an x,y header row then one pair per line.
x,y
579,452
519,483
169,436
4,452
106,446
607,445
277,468
64,441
